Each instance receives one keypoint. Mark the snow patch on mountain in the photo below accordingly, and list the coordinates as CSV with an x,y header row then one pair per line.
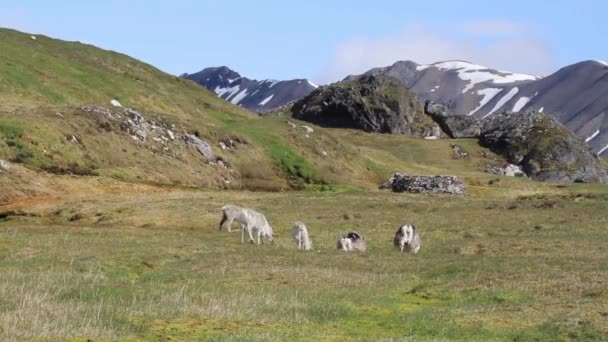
x,y
266,100
313,85
240,96
602,150
521,103
592,136
230,91
488,94
476,74
503,101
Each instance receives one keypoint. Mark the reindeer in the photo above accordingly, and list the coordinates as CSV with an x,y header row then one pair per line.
x,y
407,239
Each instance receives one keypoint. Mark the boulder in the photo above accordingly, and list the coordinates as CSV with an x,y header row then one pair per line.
x,y
400,182
372,103
4,165
454,125
509,170
202,146
543,147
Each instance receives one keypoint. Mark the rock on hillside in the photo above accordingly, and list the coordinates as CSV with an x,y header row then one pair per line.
x,y
372,103
454,125
258,96
543,147
400,182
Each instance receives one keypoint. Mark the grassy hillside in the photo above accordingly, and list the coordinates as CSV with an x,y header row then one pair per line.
x,y
44,84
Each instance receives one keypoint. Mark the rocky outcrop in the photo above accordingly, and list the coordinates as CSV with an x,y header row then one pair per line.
x,y
454,125
372,103
400,182
543,147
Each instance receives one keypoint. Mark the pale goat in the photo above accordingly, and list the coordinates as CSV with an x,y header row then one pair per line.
x,y
352,241
407,239
250,220
300,235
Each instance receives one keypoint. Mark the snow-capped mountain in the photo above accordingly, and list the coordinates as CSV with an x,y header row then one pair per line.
x,y
577,94
258,96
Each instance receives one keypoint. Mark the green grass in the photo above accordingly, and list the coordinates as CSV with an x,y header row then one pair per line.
x,y
152,266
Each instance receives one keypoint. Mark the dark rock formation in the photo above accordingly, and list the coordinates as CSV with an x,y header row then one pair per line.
x,y
400,182
372,103
454,125
543,147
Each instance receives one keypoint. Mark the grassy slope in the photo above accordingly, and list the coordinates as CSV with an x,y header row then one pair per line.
x,y
40,78
152,266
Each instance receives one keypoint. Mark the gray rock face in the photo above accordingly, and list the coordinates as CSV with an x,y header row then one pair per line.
x,y
373,104
454,125
400,182
575,95
544,148
201,146
257,96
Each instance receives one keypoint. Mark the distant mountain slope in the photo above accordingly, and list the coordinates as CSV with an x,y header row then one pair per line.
x,y
257,96
577,95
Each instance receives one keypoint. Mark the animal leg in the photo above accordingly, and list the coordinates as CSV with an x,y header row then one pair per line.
x,y
242,233
224,219
249,232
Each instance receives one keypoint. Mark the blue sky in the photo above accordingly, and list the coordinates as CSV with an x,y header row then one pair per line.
x,y
325,40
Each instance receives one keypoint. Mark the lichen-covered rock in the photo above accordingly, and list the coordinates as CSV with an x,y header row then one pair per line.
x,y
372,103
543,147
400,182
455,125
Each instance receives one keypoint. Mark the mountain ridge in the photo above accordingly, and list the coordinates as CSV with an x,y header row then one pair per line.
x,y
259,96
574,94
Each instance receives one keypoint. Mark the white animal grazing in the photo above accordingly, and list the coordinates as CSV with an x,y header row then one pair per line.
x,y
407,239
250,220
230,212
300,235
352,241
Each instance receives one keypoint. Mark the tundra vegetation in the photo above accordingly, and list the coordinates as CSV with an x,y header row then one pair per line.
x,y
109,236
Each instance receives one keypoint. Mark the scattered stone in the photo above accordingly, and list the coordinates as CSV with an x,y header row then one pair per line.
x,y
292,124
455,125
59,114
459,152
509,170
202,146
171,135
33,37
4,165
324,154
400,182
308,129
115,103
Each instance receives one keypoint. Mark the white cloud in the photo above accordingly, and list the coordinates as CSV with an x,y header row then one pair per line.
x,y
505,46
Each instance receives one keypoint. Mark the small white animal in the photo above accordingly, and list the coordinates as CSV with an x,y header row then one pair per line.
x,y
300,235
407,239
352,241
250,220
